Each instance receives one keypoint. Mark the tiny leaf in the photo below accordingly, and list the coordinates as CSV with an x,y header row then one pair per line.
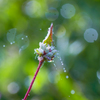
x,y
48,39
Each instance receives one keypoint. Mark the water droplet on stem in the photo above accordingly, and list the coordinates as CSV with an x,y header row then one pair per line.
x,y
3,45
67,76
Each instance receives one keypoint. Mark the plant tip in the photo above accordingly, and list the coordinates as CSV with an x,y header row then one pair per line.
x,y
47,50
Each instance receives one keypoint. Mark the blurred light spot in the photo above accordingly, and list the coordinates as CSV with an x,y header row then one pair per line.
x,y
84,21
67,76
62,63
59,31
52,14
67,11
26,36
11,35
98,74
3,45
76,47
22,42
72,92
90,35
63,68
32,7
54,77
13,88
13,41
22,38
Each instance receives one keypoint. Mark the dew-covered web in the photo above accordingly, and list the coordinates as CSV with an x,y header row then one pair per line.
x,y
59,59
21,40
56,74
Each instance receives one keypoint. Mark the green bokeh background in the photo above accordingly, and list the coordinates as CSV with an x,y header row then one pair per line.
x,y
18,62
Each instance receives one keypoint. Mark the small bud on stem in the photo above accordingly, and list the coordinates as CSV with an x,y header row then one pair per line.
x,y
46,52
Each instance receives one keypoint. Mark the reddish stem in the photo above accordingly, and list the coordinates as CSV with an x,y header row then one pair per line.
x,y
29,89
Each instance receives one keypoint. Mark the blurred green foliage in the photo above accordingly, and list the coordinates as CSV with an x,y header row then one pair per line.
x,y
24,23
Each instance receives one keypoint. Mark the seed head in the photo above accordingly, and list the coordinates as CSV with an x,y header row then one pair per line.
x,y
46,50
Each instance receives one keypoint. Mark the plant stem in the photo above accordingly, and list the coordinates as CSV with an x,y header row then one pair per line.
x,y
29,89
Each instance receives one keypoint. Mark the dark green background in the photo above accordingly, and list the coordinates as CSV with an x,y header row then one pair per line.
x,y
51,83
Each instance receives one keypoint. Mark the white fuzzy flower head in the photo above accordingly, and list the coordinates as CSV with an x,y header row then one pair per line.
x,y
47,51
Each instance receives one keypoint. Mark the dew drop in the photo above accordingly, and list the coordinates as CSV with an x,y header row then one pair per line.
x,y
67,76
62,63
64,70
22,38
3,45
26,36
60,60
22,42
57,54
11,43
55,65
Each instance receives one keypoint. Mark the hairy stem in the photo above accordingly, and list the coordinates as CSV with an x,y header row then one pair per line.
x,y
29,89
